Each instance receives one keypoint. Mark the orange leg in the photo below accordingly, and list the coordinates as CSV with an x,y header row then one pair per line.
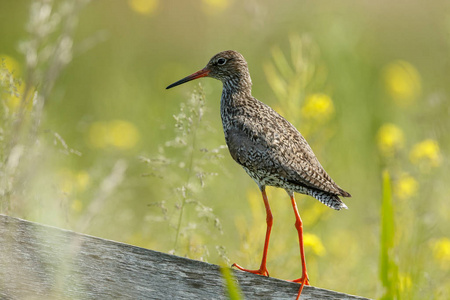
x,y
269,220
299,225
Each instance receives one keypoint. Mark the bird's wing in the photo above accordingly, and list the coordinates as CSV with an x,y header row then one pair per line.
x,y
300,163
269,142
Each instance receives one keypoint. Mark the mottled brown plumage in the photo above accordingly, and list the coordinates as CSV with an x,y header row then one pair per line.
x,y
270,149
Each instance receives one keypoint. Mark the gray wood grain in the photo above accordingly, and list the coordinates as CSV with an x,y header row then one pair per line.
x,y
43,262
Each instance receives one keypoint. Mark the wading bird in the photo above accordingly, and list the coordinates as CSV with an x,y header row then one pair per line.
x,y
269,148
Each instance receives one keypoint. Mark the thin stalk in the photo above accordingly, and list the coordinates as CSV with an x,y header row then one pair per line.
x,y
189,174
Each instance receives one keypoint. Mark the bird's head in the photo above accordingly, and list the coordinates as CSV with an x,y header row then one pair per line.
x,y
224,66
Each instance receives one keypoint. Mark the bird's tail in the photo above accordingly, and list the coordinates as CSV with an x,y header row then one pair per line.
x,y
330,200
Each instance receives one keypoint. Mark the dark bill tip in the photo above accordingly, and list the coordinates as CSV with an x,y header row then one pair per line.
x,y
198,74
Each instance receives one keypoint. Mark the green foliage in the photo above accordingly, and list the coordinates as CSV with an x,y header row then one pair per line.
x,y
231,285
388,265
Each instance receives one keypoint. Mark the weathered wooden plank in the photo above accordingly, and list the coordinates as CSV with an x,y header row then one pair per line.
x,y
42,262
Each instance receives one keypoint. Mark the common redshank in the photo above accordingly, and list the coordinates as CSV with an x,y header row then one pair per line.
x,y
269,148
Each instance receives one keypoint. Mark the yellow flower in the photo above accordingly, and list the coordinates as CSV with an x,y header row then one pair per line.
x,y
13,88
441,252
11,65
313,242
123,134
214,6
402,82
13,99
390,139
143,7
406,186
118,133
426,154
318,107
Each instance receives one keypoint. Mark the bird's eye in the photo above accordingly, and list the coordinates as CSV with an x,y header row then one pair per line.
x,y
221,61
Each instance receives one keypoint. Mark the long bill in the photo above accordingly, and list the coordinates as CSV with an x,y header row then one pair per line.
x,y
202,73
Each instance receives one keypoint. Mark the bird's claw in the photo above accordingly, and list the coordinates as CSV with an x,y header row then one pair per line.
x,y
260,271
303,280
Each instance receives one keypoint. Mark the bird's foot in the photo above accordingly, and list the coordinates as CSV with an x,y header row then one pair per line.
x,y
261,271
303,281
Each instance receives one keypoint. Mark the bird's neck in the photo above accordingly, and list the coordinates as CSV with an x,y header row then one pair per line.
x,y
236,90
236,95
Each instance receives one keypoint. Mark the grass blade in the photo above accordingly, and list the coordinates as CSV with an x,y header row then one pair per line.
x,y
231,285
388,266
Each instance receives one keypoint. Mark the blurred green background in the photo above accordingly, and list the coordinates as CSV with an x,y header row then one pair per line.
x,y
366,82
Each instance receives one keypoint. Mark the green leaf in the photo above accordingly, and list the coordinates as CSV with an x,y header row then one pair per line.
x,y
231,284
388,266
